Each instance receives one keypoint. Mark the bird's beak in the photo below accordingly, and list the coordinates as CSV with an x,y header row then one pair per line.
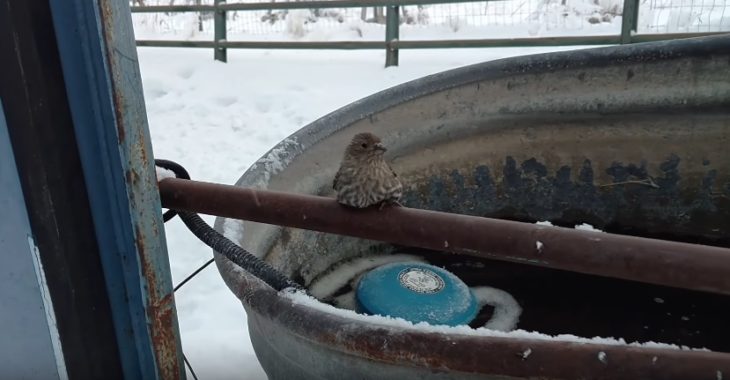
x,y
380,146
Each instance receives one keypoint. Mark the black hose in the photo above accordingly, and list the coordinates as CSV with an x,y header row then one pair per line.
x,y
180,172
233,252
220,243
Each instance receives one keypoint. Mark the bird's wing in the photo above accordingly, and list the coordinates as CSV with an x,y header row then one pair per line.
x,y
335,183
392,171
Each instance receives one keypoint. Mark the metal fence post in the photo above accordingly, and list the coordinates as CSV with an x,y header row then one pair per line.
x,y
219,22
630,20
392,24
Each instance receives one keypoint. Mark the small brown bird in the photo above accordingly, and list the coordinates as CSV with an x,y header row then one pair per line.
x,y
364,178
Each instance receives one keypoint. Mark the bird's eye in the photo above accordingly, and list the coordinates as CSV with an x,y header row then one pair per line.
x,y
364,145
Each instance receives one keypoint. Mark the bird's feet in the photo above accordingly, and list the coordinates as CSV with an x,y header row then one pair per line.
x,y
393,203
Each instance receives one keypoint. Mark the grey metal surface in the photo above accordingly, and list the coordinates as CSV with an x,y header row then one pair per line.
x,y
631,139
25,326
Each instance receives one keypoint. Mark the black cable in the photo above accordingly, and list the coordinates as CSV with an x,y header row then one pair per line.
x,y
190,367
190,277
233,252
220,243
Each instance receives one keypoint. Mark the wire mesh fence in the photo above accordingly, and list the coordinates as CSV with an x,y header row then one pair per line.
x,y
668,16
503,18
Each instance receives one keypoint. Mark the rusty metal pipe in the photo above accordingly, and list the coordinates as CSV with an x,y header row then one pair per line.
x,y
661,262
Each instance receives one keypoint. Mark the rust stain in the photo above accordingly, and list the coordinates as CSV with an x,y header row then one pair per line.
x,y
107,13
132,177
160,314
141,148
120,126
163,337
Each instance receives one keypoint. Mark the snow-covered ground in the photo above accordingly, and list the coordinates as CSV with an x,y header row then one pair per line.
x,y
216,119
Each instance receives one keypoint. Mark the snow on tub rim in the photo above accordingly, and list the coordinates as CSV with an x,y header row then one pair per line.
x,y
568,137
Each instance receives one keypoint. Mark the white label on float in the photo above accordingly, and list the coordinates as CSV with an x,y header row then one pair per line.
x,y
421,280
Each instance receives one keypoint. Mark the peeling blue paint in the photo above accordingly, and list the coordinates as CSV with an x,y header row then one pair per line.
x,y
632,197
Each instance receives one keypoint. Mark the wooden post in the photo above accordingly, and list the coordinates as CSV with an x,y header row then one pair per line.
x,y
630,20
219,20
392,25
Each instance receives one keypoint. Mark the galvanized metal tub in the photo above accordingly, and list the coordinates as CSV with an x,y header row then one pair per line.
x,y
630,139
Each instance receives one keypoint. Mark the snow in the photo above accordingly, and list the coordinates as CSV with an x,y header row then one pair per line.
x,y
276,160
163,173
587,227
582,226
232,229
603,357
326,285
658,300
506,309
219,119
526,353
295,22
301,298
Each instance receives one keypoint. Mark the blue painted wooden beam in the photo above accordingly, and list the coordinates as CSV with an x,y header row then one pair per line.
x,y
99,61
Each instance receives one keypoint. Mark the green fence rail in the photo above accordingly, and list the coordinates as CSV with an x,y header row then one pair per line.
x,y
392,44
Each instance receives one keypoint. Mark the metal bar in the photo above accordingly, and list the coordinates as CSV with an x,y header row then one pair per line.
x,y
291,5
340,45
392,32
507,42
629,20
545,41
176,44
345,45
424,44
660,262
172,8
219,20
636,38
